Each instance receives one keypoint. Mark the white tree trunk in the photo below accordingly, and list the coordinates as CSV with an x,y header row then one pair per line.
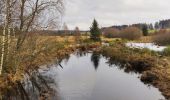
x,y
3,50
6,26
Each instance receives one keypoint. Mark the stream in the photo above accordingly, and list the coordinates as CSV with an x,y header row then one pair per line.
x,y
90,77
87,76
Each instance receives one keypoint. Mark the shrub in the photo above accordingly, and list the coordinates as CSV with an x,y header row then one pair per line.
x,y
131,33
162,37
112,33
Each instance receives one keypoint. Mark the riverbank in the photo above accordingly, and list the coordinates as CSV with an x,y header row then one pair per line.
x,y
47,50
153,67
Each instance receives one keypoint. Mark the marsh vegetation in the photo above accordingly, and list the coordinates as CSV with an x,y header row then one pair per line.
x,y
33,55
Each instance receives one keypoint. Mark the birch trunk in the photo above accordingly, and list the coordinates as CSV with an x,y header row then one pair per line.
x,y
6,26
3,49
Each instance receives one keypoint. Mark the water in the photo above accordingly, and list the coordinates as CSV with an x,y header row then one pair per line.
x,y
90,77
150,46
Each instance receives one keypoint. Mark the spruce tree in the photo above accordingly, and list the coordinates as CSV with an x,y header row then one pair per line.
x,y
145,30
95,31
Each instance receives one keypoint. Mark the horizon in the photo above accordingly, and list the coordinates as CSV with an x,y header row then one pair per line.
x,y
117,12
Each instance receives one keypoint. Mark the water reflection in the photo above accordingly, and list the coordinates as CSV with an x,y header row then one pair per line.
x,y
81,54
95,58
35,86
79,81
128,67
83,76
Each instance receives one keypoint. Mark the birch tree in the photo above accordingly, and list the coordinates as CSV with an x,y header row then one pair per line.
x,y
36,13
6,26
26,15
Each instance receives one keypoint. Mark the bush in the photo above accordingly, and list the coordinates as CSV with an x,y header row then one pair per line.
x,y
162,37
131,33
112,33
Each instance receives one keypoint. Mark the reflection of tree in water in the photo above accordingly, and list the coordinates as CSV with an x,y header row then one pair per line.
x,y
81,53
95,58
128,67
66,58
34,87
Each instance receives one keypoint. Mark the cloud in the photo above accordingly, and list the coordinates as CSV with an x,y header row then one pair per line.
x,y
114,12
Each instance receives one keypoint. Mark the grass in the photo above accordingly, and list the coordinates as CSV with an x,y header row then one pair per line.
x,y
145,39
37,51
152,31
166,51
42,50
154,68
118,52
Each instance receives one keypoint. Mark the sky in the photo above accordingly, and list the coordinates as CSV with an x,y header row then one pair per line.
x,y
114,12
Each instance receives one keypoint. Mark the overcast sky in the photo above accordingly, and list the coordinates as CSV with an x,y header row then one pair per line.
x,y
114,12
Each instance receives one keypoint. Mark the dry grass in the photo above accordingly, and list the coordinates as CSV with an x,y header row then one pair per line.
x,y
162,37
145,39
108,40
35,51
154,69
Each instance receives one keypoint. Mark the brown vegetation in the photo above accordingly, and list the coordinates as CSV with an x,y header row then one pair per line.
x,y
112,33
35,52
162,37
154,68
130,33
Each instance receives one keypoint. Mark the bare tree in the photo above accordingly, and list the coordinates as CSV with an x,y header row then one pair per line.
x,y
77,34
26,15
32,12
65,28
5,32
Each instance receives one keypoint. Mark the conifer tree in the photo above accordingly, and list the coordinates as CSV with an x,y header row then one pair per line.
x,y
95,31
145,30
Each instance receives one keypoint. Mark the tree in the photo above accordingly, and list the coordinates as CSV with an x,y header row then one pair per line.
x,y
157,25
6,34
26,16
33,14
95,31
77,34
77,31
65,28
151,27
145,30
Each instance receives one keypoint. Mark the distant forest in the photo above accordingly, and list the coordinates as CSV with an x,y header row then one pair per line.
x,y
162,24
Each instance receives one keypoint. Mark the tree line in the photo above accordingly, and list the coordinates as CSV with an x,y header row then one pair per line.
x,y
162,24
